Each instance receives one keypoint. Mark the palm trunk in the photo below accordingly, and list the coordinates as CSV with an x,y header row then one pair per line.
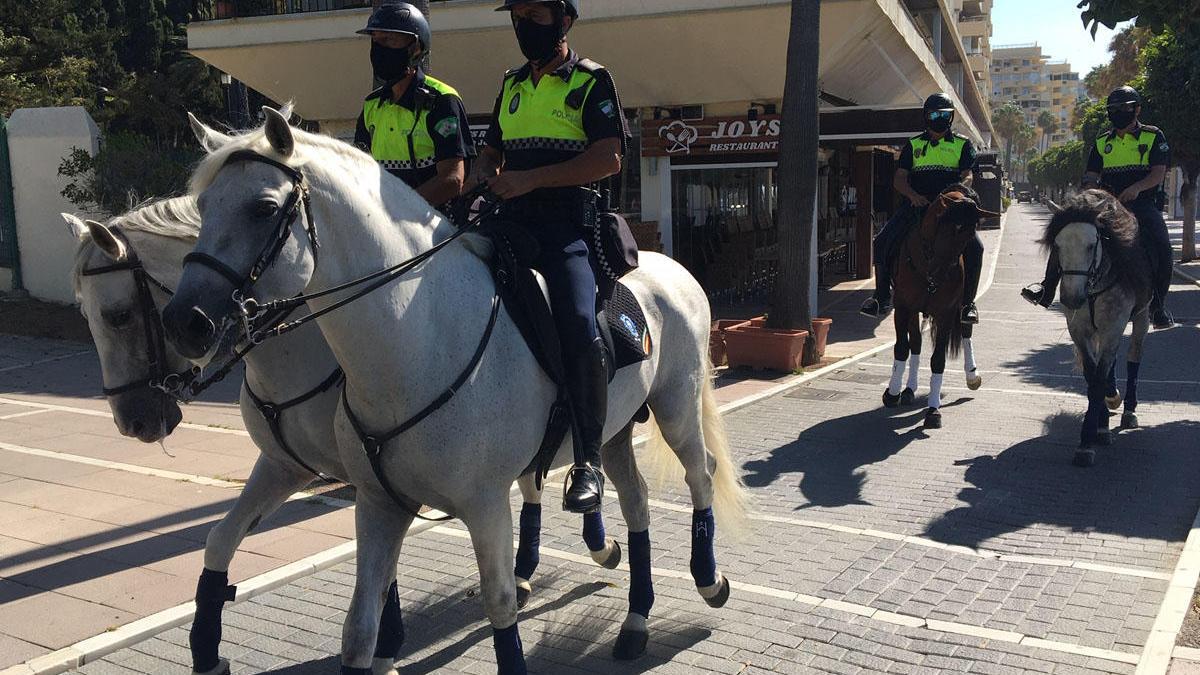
x,y
1188,195
798,173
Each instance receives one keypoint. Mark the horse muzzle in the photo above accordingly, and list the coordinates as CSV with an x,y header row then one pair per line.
x,y
189,329
145,414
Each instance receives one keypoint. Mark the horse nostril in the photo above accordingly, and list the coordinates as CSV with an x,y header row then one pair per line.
x,y
199,325
137,427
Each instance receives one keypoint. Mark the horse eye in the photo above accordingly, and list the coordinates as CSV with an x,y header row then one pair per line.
x,y
118,319
265,208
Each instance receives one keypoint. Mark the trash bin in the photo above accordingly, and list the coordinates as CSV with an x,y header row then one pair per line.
x,y
989,184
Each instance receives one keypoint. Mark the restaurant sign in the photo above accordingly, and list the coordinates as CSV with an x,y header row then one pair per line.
x,y
710,136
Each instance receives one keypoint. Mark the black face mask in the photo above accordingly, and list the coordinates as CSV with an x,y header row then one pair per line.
x,y
538,42
390,64
1121,118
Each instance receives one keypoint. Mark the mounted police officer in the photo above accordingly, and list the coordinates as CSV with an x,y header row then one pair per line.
x,y
414,125
557,128
1130,161
929,163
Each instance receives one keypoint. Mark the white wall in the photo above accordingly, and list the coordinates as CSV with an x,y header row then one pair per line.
x,y
38,139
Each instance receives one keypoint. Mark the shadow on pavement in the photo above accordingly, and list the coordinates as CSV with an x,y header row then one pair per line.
x,y
1141,487
830,455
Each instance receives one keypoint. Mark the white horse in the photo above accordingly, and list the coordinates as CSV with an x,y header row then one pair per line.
x,y
402,347
1105,285
293,427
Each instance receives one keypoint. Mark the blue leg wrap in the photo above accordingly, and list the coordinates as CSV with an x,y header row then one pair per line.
x,y
593,531
391,627
530,540
641,585
1131,378
212,592
704,561
510,659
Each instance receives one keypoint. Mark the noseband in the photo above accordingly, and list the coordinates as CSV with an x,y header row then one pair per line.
x,y
156,346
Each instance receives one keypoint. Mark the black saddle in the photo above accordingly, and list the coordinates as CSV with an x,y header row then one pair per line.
x,y
621,321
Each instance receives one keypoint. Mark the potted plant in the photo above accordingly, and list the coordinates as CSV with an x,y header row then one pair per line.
x,y
820,327
716,340
753,344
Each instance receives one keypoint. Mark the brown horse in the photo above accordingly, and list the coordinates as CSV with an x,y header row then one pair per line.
x,y
928,276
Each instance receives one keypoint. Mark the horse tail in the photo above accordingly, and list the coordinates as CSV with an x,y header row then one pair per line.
x,y
950,322
662,465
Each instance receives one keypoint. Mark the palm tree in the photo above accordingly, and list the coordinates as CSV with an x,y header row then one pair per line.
x,y
1023,141
1048,124
794,292
1007,119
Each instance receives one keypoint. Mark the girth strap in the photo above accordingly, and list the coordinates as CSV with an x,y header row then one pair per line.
x,y
272,411
373,443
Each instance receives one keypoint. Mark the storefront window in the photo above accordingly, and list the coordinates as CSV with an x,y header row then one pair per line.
x,y
724,229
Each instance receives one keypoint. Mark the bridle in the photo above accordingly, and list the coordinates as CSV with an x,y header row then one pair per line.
x,y
156,346
184,385
933,276
255,314
296,200
1095,272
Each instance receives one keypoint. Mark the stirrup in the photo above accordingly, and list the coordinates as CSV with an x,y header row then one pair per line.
x,y
583,472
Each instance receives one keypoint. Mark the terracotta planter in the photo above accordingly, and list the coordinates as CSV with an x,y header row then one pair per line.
x,y
716,340
761,347
820,337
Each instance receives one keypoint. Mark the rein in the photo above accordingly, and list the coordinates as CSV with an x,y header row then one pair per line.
x,y
252,312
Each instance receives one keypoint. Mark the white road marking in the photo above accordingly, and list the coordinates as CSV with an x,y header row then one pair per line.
x,y
99,413
39,362
27,413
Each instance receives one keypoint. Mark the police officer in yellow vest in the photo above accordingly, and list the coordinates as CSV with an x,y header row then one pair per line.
x,y
929,163
558,127
1129,161
414,125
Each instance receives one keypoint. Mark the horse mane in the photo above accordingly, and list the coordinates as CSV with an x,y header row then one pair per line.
x,y
173,217
256,140
964,189
1118,229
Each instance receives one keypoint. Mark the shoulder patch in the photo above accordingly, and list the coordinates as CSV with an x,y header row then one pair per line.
x,y
447,127
588,66
608,108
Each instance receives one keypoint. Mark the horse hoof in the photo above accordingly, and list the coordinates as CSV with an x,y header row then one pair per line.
x,y
1104,437
383,667
613,559
933,419
1085,457
974,381
718,596
524,590
890,401
907,396
222,668
1129,421
630,645
1114,401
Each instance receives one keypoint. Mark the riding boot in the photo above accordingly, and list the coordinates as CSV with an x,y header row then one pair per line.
x,y
1043,293
587,385
972,268
880,303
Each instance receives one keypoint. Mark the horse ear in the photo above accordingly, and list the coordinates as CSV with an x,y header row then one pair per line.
x,y
74,225
279,132
210,139
107,241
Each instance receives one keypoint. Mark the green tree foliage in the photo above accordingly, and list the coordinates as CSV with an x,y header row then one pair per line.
x,y
1122,66
1181,16
1170,74
1059,168
1007,120
126,62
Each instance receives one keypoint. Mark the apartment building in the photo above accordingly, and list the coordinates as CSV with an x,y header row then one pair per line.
x,y
1024,74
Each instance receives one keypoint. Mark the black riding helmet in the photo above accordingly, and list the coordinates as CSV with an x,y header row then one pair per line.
x,y
400,17
938,101
1124,96
570,6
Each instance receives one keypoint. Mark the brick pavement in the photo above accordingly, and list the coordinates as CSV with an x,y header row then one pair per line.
x,y
1052,562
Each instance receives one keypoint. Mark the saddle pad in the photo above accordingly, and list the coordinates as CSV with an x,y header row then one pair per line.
x,y
628,335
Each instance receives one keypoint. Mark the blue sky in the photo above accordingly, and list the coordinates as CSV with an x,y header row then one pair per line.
x,y
1055,25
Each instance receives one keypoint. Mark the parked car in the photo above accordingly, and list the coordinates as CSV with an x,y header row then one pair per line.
x,y
1025,196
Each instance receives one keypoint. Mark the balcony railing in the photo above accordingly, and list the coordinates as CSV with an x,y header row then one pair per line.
x,y
232,9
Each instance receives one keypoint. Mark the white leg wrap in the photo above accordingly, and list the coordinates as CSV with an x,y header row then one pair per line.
x,y
968,356
914,368
935,391
897,376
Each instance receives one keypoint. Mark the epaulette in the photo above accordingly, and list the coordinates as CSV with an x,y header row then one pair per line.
x,y
378,93
588,66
